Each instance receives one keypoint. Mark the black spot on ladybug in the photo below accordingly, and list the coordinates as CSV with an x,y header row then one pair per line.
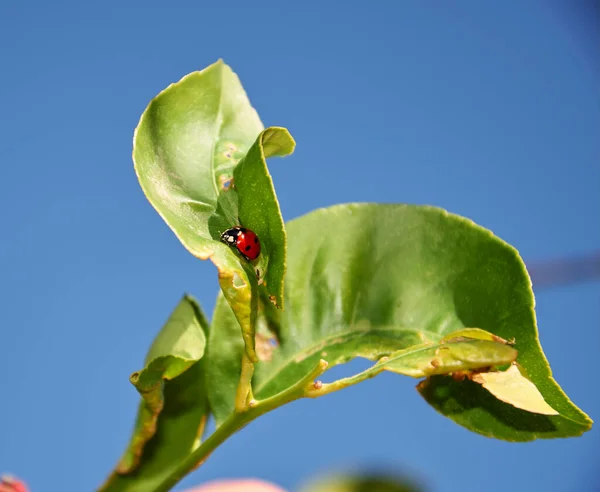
x,y
247,248
255,239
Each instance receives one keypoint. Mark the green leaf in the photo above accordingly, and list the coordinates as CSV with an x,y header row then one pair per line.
x,y
477,333
199,155
224,352
258,207
367,280
447,357
174,406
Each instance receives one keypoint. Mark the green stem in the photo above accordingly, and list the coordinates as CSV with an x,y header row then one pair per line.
x,y
244,390
236,421
298,390
324,389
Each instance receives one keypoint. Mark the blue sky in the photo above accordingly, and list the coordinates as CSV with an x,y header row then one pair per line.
x,y
488,109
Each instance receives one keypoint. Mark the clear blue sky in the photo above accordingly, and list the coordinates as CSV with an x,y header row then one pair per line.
x,y
488,109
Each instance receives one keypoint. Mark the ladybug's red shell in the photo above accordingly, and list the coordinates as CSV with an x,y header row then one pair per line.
x,y
245,240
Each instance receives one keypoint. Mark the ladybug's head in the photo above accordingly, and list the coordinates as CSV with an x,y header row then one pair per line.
x,y
230,235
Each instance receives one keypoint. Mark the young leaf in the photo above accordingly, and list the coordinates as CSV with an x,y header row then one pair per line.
x,y
174,406
448,357
258,205
186,148
390,277
476,333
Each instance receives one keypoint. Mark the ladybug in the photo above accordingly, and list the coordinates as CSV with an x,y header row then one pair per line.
x,y
245,240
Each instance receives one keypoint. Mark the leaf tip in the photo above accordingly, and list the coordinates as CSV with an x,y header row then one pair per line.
x,y
277,141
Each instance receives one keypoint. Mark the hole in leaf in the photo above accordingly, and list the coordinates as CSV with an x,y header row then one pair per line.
x,y
226,182
238,282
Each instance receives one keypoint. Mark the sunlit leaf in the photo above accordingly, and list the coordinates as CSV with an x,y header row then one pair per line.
x,y
385,278
477,333
199,155
174,406
448,357
514,388
258,207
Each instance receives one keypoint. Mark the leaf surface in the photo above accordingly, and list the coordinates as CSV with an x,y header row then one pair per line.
x,y
199,155
174,406
448,357
368,280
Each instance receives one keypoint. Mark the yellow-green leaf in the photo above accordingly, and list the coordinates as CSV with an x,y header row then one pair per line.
x,y
514,388
448,357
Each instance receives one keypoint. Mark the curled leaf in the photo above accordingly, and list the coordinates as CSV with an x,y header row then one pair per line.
x,y
448,357
174,406
258,207
199,154
402,278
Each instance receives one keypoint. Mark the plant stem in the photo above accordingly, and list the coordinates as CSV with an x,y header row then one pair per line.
x,y
236,421
244,389
324,389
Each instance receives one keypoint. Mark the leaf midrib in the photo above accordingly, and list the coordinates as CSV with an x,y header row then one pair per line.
x,y
217,137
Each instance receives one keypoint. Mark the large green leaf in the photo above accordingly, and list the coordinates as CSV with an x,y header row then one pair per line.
x,y
174,405
192,140
368,280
